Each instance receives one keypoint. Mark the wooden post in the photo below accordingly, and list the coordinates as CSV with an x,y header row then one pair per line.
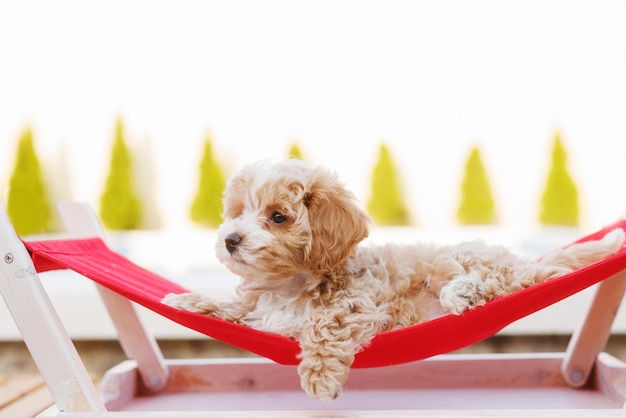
x,y
40,326
137,344
593,333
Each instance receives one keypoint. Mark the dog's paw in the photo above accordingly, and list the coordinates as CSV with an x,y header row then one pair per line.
x,y
462,293
323,376
192,302
322,383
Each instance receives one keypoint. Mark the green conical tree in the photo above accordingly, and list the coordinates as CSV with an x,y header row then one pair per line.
x,y
295,151
28,206
206,208
477,205
386,205
120,208
559,203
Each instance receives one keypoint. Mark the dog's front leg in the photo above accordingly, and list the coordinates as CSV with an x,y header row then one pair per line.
x,y
326,357
329,341
194,302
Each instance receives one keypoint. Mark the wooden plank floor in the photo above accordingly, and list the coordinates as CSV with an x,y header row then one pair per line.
x,y
23,393
23,396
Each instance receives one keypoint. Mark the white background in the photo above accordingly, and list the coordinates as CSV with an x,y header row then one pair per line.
x,y
430,78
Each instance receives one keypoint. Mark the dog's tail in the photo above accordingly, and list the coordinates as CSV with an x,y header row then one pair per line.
x,y
582,254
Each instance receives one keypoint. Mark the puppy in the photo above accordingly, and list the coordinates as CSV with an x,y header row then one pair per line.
x,y
292,232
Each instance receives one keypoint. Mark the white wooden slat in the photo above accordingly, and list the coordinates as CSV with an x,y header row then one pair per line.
x,y
593,333
41,328
81,222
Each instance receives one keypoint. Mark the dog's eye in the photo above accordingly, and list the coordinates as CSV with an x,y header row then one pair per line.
x,y
278,218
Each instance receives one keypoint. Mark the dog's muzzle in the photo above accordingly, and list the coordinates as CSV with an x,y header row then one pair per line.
x,y
232,241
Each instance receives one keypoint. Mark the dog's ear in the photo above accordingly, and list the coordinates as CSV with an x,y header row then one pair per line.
x,y
337,223
235,192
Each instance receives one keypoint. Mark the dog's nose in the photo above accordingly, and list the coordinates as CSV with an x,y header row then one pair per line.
x,y
231,241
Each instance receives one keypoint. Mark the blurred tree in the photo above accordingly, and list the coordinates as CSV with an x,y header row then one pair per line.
x,y
28,206
206,208
386,205
295,151
559,203
120,208
477,205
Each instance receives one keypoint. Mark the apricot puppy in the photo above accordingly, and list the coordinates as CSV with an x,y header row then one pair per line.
x,y
291,233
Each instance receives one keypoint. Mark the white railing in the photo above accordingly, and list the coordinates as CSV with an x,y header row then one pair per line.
x,y
187,257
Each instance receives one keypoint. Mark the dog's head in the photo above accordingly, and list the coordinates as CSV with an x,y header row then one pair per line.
x,y
287,218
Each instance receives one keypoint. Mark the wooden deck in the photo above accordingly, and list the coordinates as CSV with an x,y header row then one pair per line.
x,y
23,393
532,385
23,396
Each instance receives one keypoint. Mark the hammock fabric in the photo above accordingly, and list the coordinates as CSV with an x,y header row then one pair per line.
x,y
93,259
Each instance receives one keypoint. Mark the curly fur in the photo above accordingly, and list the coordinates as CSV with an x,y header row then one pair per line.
x,y
291,233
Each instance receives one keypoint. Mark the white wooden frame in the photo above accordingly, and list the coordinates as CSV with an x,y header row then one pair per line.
x,y
451,385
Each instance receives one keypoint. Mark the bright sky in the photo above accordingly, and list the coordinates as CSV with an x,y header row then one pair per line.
x,y
430,78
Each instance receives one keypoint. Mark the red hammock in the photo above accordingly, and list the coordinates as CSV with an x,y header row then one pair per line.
x,y
93,259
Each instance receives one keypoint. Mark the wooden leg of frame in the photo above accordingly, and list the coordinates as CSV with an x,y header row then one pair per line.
x,y
42,329
592,335
81,222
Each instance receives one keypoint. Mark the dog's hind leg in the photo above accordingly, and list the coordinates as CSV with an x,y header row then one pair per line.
x,y
582,254
474,288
